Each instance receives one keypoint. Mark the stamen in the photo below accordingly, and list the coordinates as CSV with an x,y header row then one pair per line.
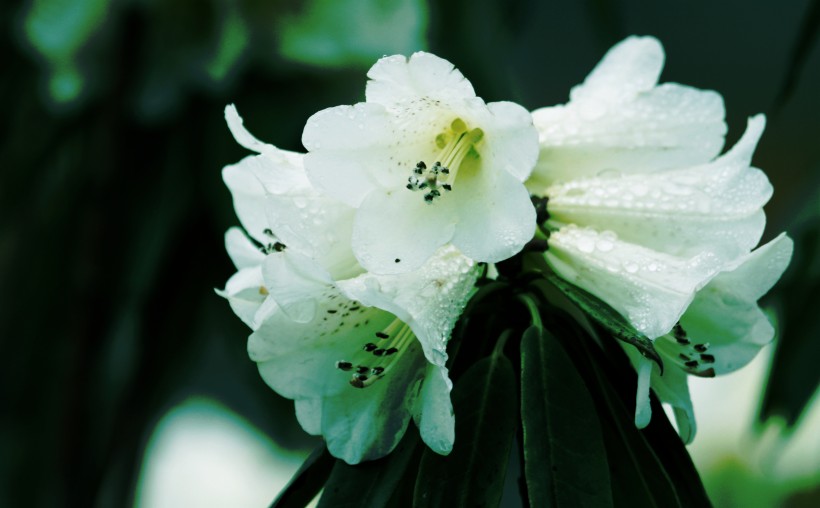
x,y
456,144
369,369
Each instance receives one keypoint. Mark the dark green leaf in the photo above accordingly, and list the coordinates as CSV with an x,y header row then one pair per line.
x,y
649,467
804,42
308,480
473,474
607,317
370,484
565,457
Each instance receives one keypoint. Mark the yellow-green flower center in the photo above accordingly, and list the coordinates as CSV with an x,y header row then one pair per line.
x,y
457,148
375,359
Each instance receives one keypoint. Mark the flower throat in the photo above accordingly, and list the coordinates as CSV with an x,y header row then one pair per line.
x,y
374,360
456,144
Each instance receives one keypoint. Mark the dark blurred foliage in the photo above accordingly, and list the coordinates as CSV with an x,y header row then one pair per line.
x,y
112,208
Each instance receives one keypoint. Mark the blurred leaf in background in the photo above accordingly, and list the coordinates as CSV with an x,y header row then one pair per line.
x,y
339,33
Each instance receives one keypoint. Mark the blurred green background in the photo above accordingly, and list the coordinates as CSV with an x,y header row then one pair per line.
x,y
112,214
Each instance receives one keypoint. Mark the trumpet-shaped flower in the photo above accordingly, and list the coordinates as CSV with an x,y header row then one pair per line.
x,y
720,332
425,163
360,354
642,211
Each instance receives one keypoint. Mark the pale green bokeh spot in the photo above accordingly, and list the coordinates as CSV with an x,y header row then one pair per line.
x,y
233,40
353,32
65,83
57,30
203,454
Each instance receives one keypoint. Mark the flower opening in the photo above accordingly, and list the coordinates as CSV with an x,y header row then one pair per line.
x,y
374,360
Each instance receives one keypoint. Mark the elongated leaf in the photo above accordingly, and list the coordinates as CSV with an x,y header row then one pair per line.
x,y
565,457
648,467
607,317
370,484
484,401
804,42
308,480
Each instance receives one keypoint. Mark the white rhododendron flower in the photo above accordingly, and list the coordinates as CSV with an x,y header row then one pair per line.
x,y
360,354
425,163
642,212
720,332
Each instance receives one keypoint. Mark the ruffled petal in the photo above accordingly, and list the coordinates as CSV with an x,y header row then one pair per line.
x,y
495,216
716,206
242,250
724,317
651,289
429,300
396,80
618,120
396,231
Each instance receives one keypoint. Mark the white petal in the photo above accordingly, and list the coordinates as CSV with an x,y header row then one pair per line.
x,y
349,147
511,140
245,292
754,274
619,120
297,283
248,198
367,424
278,171
716,206
298,360
651,289
434,411
429,300
725,316
241,134
241,250
316,226
667,127
629,67
396,231
309,415
495,215
395,80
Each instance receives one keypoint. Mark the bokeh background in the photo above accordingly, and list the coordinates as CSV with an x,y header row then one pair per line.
x,y
124,378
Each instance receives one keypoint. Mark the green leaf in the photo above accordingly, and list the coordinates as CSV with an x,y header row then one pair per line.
x,y
648,467
370,484
607,317
564,452
308,480
484,401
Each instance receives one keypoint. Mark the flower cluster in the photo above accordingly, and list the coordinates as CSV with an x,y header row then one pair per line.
x,y
358,257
